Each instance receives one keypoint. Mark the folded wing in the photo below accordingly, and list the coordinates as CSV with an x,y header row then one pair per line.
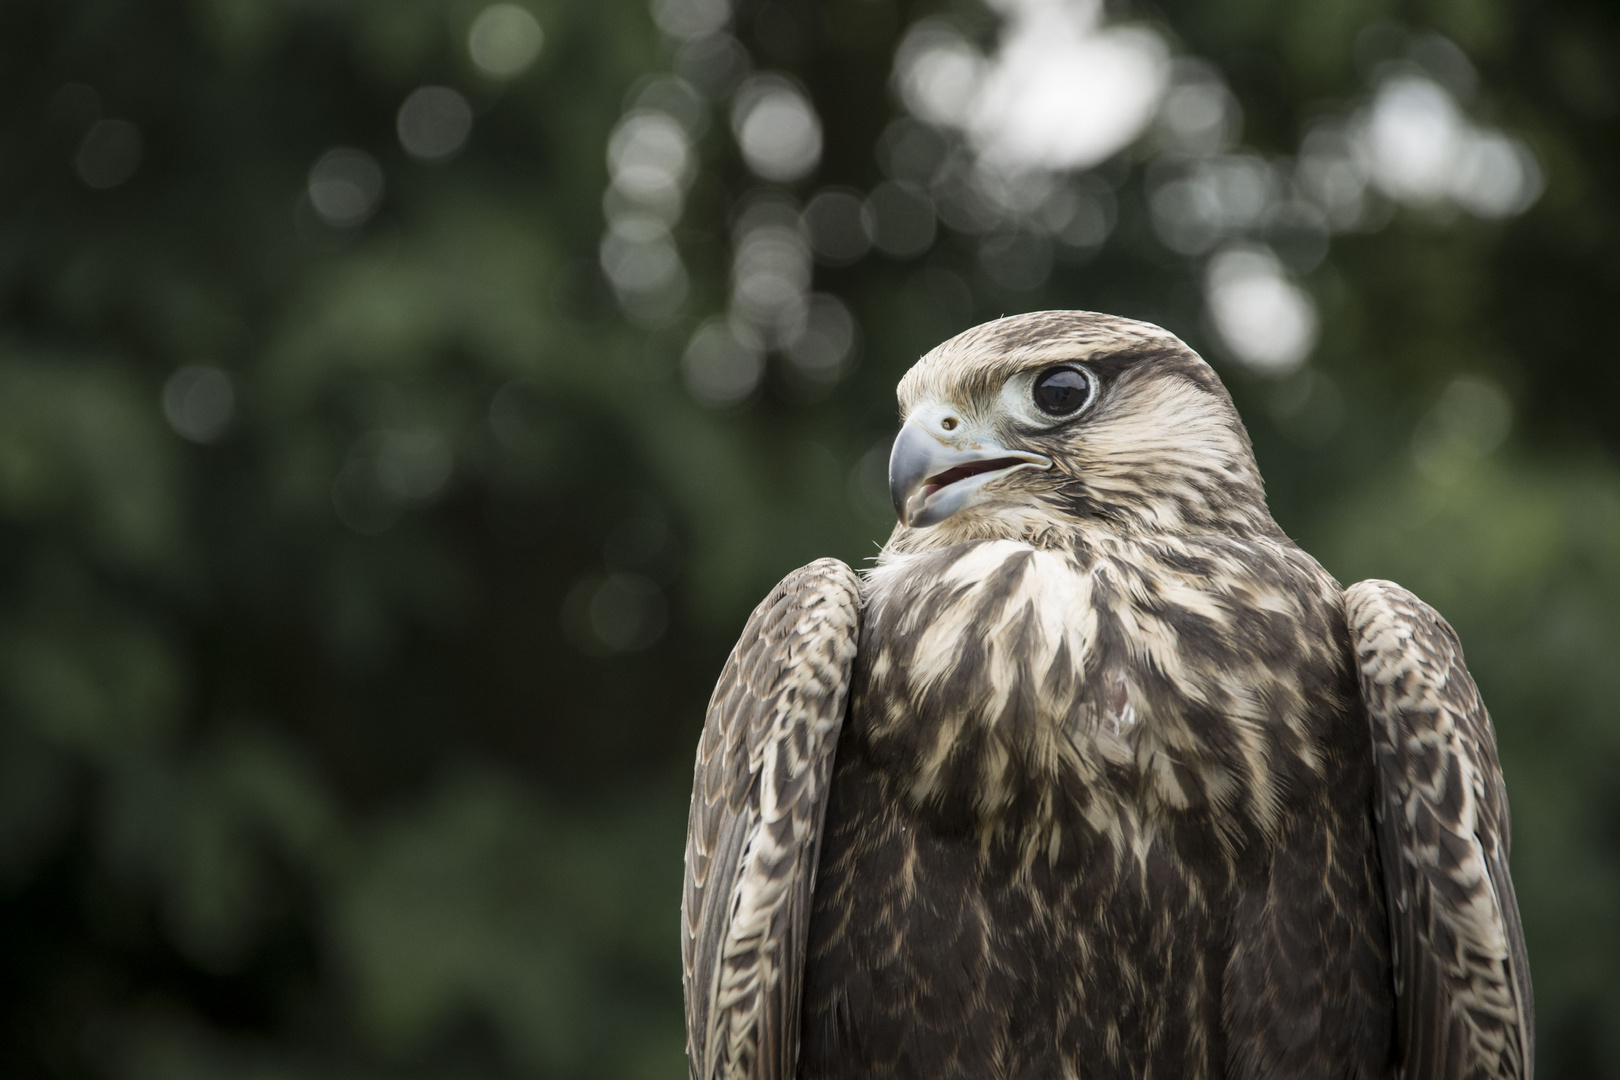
x,y
1462,980
758,798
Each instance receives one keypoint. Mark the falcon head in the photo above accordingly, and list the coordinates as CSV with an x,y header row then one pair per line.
x,y
1015,428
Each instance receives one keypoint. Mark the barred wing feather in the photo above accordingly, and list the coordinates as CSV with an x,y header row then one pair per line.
x,y
758,797
1462,980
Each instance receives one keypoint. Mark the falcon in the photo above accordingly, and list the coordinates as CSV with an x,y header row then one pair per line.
x,y
1095,773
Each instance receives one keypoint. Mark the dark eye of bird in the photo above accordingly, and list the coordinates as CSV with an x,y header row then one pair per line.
x,y
1062,390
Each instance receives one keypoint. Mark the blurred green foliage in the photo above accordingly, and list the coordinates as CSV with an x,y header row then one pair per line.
x,y
367,564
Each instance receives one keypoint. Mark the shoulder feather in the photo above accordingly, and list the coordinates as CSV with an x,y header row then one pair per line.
x,y
1462,979
758,797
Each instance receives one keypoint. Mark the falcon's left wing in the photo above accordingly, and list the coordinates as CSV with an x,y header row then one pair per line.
x,y
758,799
1462,980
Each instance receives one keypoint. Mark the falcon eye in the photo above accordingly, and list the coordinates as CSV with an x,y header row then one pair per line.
x,y
1062,391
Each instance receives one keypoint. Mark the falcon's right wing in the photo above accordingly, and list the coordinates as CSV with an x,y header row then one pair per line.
x,y
758,799
1462,981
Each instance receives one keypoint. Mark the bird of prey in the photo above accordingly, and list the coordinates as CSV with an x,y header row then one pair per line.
x,y
1095,773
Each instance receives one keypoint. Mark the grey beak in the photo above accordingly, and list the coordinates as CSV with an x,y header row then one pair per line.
x,y
931,479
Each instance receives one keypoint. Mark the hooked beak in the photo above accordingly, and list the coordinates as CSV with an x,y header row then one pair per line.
x,y
931,478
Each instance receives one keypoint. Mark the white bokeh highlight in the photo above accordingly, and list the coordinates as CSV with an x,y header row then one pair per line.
x,y
504,40
822,346
1267,322
433,123
1413,144
651,162
638,257
345,186
199,401
777,129
688,20
723,363
1061,91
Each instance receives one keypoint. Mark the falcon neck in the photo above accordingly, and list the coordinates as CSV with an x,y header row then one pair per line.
x,y
1125,681
1082,524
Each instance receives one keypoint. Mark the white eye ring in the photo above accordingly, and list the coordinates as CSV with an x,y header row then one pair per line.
x,y
1018,397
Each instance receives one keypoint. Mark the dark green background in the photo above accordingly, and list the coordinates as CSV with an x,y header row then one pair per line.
x,y
280,798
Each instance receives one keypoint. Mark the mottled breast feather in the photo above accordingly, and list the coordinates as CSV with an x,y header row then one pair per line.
x,y
1140,676
758,798
1101,809
1462,979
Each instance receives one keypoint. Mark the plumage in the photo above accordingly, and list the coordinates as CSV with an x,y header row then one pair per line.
x,y
1095,773
1464,984
755,822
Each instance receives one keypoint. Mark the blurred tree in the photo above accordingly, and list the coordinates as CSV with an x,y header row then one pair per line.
x,y
402,404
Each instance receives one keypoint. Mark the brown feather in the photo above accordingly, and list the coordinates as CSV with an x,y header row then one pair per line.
x,y
1123,789
758,796
1462,979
